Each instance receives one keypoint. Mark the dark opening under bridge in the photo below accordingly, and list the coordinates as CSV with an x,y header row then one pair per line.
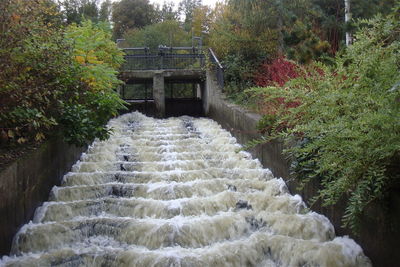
x,y
168,82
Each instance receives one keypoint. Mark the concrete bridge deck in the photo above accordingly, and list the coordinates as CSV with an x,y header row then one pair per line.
x,y
166,67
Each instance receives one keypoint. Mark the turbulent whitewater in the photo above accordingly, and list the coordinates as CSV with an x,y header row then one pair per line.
x,y
175,192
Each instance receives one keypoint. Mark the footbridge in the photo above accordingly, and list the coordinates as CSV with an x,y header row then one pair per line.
x,y
170,81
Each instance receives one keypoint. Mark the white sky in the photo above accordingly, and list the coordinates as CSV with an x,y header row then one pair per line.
x,y
176,2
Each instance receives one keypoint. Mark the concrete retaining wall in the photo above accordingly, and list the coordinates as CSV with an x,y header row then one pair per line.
x,y
242,125
380,228
26,183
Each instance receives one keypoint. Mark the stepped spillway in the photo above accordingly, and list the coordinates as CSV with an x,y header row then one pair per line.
x,y
175,192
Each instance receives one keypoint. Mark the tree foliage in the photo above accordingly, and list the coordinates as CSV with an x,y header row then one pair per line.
x,y
255,32
201,22
346,120
131,14
97,59
75,11
167,33
50,74
248,35
105,10
36,69
241,29
96,54
187,8
166,12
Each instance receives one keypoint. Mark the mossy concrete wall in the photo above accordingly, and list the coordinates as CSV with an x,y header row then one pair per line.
x,y
26,183
380,227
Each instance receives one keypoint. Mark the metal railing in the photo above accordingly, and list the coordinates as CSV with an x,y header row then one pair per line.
x,y
217,68
165,58
172,58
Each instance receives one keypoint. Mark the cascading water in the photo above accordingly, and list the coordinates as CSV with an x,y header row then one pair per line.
x,y
175,192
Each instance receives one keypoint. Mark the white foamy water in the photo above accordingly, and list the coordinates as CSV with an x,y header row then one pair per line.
x,y
176,192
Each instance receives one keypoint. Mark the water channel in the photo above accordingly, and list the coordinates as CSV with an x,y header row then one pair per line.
x,y
175,192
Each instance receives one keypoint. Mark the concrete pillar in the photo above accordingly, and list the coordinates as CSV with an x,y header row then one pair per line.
x,y
208,91
204,96
159,93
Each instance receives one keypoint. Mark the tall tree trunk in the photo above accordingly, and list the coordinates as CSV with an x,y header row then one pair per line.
x,y
347,18
280,26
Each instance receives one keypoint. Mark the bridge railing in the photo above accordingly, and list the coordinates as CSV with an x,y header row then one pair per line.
x,y
165,58
217,68
173,58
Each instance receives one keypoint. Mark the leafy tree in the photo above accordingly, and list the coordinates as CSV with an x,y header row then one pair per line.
x,y
36,69
303,44
54,79
242,29
97,59
89,9
166,12
96,54
167,33
77,10
202,20
259,31
187,8
131,14
369,8
243,37
105,11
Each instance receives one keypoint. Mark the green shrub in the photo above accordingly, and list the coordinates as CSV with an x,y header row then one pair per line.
x,y
36,69
49,72
97,59
83,122
347,124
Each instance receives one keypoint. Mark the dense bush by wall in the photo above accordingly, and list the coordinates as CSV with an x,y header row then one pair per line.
x,y
345,120
52,76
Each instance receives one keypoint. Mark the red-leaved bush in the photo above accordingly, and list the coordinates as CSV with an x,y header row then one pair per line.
x,y
277,72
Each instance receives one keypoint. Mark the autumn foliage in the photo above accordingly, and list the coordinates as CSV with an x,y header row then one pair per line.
x,y
52,78
278,72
